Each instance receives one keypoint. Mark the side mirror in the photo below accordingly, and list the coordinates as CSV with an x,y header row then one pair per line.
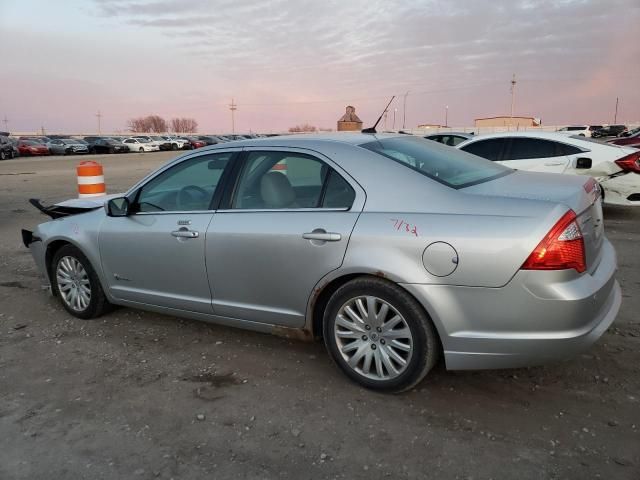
x,y
117,207
583,163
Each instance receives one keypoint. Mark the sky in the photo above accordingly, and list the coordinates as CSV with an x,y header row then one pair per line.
x,y
293,62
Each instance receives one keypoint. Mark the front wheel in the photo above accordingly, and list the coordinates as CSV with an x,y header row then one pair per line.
x,y
3,155
379,335
76,283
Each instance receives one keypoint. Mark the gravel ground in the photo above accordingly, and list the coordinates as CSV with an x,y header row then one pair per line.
x,y
140,395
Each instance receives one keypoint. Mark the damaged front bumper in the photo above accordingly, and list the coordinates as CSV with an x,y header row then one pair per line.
x,y
38,252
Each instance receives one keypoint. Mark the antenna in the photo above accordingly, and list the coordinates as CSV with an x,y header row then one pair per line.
x,y
233,107
373,129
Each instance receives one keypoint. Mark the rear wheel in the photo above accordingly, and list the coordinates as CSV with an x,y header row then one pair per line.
x,y
76,283
141,150
3,155
174,146
379,335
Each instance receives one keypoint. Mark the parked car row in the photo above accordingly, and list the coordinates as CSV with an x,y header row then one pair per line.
x,y
615,165
595,131
11,147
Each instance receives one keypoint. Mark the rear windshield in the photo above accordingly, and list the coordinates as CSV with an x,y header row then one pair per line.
x,y
449,166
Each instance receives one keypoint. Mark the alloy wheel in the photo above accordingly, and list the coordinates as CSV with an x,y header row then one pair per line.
x,y
73,283
373,338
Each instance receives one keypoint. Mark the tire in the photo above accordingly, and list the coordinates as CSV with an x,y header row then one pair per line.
x,y
12,154
141,150
381,337
69,261
174,146
3,156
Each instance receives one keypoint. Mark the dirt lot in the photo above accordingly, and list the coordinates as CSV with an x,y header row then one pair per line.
x,y
139,395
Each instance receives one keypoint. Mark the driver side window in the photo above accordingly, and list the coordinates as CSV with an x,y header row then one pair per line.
x,y
187,186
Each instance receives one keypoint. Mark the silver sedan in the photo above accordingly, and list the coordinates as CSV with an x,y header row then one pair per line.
x,y
394,249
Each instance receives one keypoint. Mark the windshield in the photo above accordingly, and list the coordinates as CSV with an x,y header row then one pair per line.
x,y
451,167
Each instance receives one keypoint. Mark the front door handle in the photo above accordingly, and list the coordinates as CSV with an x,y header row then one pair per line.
x,y
322,236
185,233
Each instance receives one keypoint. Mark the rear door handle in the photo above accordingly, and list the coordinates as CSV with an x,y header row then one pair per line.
x,y
185,233
553,164
322,236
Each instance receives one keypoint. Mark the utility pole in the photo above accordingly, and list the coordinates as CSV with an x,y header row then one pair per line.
x,y
615,116
99,115
446,115
404,111
5,120
233,107
513,94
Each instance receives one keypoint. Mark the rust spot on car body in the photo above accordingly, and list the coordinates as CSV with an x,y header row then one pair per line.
x,y
301,334
380,274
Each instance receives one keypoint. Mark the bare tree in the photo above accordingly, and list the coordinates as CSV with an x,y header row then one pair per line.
x,y
303,128
184,125
138,125
157,124
150,123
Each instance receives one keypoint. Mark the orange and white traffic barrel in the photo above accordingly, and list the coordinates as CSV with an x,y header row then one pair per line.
x,y
90,180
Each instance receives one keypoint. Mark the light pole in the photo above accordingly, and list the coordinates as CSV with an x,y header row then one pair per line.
x,y
404,111
394,118
233,107
615,116
446,115
513,95
99,115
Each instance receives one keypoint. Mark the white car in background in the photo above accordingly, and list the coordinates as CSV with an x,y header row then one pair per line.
x,y
616,168
580,130
140,145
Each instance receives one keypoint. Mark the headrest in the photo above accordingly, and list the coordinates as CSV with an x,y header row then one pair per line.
x,y
276,190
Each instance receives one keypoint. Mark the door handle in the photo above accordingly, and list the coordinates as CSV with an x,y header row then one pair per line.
x,y
322,236
553,164
185,233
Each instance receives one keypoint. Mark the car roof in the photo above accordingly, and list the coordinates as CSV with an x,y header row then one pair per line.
x,y
459,134
307,139
526,133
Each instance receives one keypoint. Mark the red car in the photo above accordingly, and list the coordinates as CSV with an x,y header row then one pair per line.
x,y
632,140
195,143
29,147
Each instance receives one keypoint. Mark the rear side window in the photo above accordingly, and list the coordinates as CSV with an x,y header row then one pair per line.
x,y
287,180
568,149
445,165
338,193
491,149
525,148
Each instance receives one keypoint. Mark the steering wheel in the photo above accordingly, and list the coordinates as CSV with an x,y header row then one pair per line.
x,y
191,197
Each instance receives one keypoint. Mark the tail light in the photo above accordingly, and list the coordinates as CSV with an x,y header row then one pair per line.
x,y
561,249
630,163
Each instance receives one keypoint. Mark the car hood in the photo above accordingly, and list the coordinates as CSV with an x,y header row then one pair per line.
x,y
73,206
